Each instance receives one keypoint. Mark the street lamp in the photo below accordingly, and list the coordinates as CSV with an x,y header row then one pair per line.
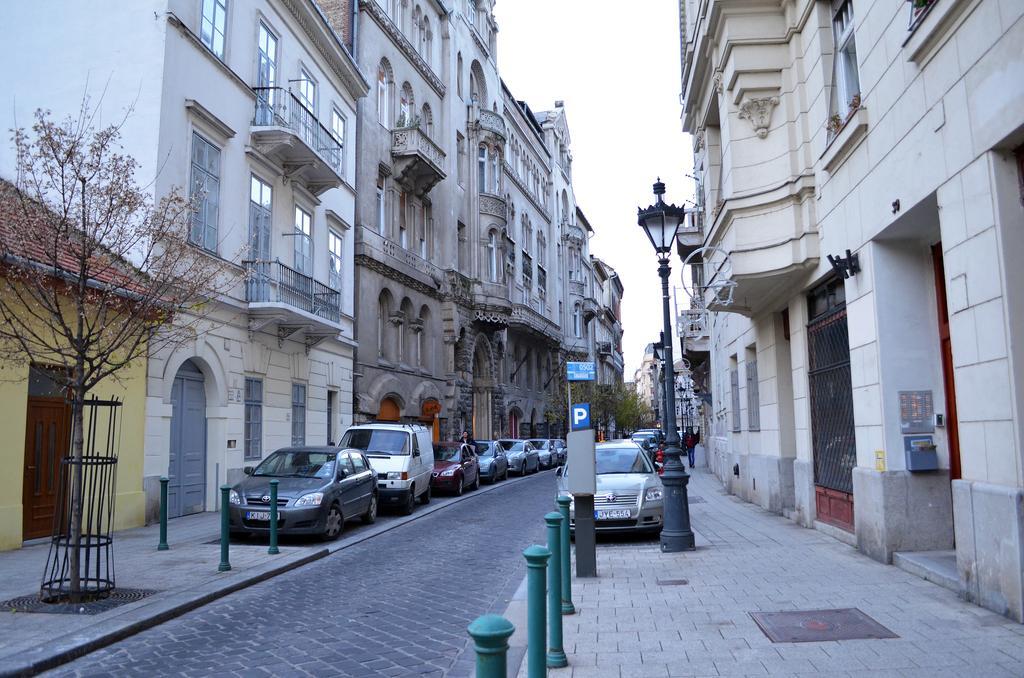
x,y
660,222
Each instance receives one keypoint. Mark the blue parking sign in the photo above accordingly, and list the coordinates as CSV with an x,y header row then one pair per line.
x,y
580,416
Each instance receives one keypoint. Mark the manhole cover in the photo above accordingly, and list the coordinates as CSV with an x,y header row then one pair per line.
x,y
116,598
673,582
809,626
694,499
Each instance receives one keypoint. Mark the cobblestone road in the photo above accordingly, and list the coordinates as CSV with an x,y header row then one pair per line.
x,y
395,605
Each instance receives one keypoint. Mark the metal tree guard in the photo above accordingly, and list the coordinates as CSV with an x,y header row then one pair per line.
x,y
82,569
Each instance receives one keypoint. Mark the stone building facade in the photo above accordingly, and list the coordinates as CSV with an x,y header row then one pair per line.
x,y
859,171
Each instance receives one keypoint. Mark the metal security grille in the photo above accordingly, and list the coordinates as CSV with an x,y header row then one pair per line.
x,y
835,447
734,378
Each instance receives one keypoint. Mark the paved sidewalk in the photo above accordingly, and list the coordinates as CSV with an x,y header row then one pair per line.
x,y
184,578
629,625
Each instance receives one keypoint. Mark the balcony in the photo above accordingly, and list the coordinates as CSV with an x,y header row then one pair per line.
x,y
494,205
285,130
492,122
295,302
525,317
372,245
418,161
690,234
692,327
591,309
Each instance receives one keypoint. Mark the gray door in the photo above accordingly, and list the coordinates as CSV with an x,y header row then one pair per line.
x,y
186,492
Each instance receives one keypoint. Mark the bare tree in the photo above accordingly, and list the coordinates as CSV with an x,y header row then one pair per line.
x,y
94,272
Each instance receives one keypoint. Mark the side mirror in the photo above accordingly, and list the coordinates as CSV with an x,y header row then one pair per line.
x,y
416,453
248,470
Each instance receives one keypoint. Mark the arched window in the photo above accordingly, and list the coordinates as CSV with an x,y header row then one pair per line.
x,y
492,256
428,42
458,75
383,322
577,321
424,337
403,16
427,120
406,344
416,35
384,80
405,106
566,218
481,166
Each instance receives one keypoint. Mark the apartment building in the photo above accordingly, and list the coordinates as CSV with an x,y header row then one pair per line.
x,y
859,171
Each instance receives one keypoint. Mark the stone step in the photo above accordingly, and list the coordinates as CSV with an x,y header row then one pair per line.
x,y
938,567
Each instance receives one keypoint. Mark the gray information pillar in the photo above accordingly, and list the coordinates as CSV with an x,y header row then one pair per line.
x,y
582,483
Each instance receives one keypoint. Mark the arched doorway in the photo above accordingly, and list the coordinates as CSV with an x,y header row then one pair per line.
x,y
483,385
429,416
389,410
186,491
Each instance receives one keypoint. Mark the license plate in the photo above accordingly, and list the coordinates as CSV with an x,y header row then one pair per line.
x,y
258,515
612,515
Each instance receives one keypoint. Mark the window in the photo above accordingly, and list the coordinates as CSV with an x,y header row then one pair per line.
x,y
253,418
405,114
481,167
358,462
260,197
307,90
753,398
427,120
492,256
403,210
266,76
338,131
303,241
846,80
460,144
335,249
421,229
458,75
577,321
332,407
495,176
211,30
298,414
205,192
471,12
381,205
734,377
383,317
383,92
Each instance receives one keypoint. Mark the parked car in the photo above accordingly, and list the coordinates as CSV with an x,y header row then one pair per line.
x,y
493,462
522,458
562,450
456,468
319,488
629,492
402,455
647,440
547,456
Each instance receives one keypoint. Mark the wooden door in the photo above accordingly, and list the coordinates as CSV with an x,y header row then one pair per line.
x,y
946,348
47,439
186,491
388,410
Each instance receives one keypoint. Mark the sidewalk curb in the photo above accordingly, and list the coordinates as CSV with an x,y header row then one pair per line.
x,y
37,660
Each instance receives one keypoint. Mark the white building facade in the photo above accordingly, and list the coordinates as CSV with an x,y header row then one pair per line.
x,y
250,107
859,169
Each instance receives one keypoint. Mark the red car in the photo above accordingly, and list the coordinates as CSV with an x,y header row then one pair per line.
x,y
456,468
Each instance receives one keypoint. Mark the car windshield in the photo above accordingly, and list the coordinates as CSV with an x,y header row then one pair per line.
x,y
377,441
540,444
484,449
612,460
518,446
297,464
508,444
448,453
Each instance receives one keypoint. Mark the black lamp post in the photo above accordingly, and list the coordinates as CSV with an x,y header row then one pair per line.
x,y
660,222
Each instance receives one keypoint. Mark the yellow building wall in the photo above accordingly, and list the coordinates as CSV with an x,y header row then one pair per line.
x,y
130,388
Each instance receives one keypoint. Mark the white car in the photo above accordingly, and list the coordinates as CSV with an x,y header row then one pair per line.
x,y
403,457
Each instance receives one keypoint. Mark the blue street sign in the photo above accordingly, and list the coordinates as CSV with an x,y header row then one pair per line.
x,y
580,416
580,371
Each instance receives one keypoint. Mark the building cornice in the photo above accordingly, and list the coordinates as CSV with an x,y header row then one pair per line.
x,y
376,12
328,45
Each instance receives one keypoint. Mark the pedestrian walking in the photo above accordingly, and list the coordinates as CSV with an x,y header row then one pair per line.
x,y
690,443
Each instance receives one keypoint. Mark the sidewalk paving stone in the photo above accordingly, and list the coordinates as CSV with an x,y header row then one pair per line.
x,y
749,560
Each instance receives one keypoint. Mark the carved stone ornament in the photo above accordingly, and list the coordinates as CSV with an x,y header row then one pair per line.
x,y
759,113
698,142
716,79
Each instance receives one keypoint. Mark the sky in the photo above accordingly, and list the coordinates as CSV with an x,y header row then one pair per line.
x,y
616,67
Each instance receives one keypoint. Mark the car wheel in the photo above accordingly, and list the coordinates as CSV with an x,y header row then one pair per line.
x,y
458,487
425,497
476,483
370,516
334,523
410,503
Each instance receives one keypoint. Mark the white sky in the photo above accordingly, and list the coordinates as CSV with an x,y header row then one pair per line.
x,y
616,66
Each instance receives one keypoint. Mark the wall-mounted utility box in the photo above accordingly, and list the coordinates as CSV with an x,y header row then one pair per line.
x,y
920,453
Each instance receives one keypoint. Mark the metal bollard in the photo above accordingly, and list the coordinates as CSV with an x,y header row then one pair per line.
x,y
490,635
556,654
536,564
225,527
273,518
566,559
162,546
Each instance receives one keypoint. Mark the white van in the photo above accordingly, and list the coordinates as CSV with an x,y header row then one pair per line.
x,y
403,457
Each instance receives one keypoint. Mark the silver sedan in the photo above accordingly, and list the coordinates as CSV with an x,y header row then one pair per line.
x,y
522,457
629,491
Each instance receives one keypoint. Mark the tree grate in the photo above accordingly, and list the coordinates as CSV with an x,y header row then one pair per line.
x,y
116,598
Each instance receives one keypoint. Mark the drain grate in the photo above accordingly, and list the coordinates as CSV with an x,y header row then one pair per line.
x,y
811,626
673,582
116,598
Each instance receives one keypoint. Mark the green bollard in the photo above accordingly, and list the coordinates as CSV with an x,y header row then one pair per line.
x,y
225,527
162,546
556,654
536,644
273,518
566,560
490,635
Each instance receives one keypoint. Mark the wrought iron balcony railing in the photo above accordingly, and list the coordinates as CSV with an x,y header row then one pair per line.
x,y
279,107
273,282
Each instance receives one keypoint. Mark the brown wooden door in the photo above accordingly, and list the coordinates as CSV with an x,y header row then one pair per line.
x,y
946,348
47,436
